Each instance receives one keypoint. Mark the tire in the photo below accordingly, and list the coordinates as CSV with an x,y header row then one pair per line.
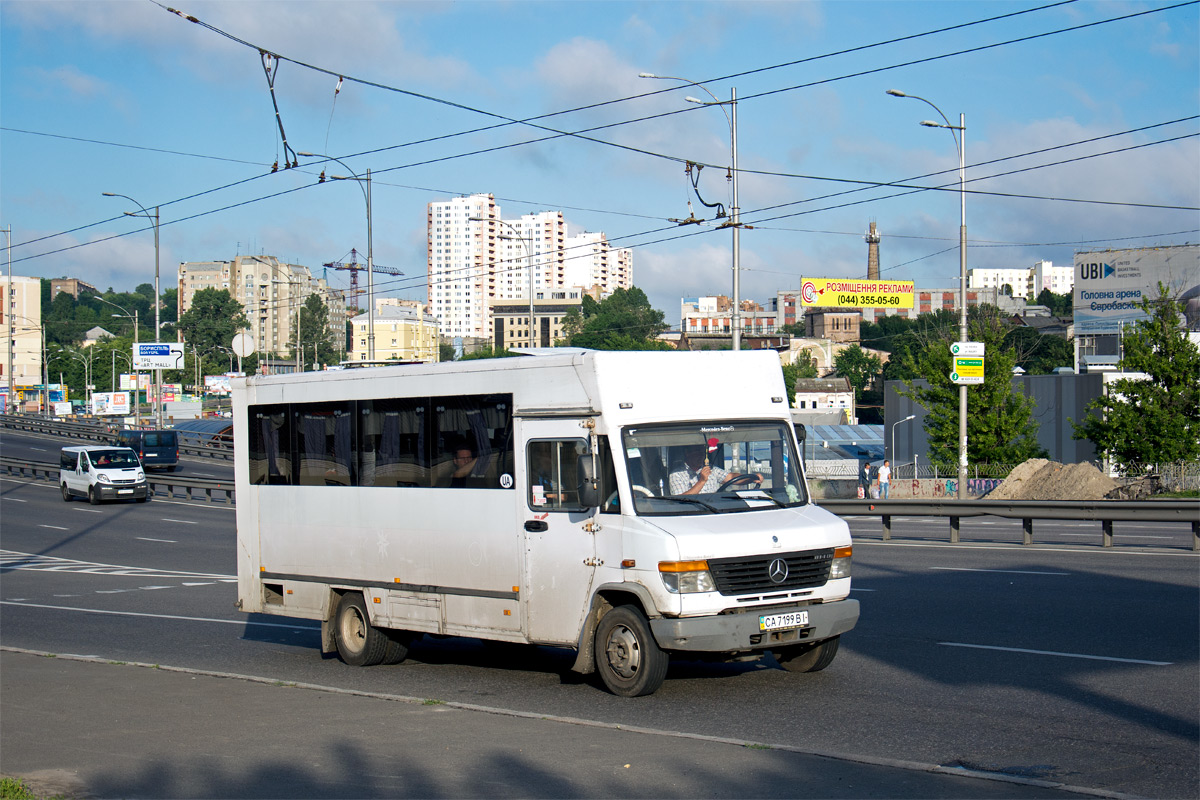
x,y
808,657
144,499
66,493
396,649
358,642
627,657
93,498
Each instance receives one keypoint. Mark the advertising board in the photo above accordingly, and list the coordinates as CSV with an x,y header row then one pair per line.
x,y
110,403
158,355
1110,284
856,293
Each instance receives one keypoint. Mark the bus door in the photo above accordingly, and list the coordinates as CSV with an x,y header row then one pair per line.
x,y
560,541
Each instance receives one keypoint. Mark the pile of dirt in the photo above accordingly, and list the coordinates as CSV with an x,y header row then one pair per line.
x,y
1039,479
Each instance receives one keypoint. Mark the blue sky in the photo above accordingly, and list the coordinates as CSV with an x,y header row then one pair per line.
x,y
126,97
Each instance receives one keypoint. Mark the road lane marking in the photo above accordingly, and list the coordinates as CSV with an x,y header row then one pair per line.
x,y
89,510
10,559
1006,571
15,500
1029,548
1122,535
1059,655
148,539
54,527
246,622
180,521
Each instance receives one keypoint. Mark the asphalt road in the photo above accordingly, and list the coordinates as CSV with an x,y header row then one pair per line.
x,y
1064,661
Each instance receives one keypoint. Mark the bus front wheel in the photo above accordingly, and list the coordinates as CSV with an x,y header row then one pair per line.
x,y
627,657
358,642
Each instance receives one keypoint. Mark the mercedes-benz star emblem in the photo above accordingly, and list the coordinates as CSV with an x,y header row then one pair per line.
x,y
777,571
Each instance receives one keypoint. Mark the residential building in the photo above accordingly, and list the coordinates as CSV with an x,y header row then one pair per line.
x,y
402,333
21,308
1024,282
834,324
824,394
271,292
72,286
477,259
926,301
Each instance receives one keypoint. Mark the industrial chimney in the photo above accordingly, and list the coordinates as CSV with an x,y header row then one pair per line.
x,y
872,238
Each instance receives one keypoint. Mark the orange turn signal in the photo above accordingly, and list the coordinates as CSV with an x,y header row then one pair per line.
x,y
682,566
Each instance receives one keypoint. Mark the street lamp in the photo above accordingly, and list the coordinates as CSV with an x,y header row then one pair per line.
x,y
894,424
137,403
735,212
528,258
959,132
87,367
370,250
158,409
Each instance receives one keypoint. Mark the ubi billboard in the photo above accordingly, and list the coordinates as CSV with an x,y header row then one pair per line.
x,y
1110,284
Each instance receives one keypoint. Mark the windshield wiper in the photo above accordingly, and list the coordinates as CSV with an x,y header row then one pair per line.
x,y
681,499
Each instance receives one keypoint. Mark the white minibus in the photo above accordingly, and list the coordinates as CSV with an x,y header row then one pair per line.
x,y
628,505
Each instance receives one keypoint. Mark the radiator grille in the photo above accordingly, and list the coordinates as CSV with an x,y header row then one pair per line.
x,y
754,573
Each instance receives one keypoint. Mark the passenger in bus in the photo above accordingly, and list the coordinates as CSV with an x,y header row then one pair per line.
x,y
464,462
694,476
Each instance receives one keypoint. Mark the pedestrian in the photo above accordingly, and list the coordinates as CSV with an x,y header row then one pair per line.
x,y
864,480
885,478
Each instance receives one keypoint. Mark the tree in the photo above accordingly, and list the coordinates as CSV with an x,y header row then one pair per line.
x,y
804,367
1155,420
213,320
487,351
316,337
858,366
1039,353
1001,428
1060,305
445,351
622,321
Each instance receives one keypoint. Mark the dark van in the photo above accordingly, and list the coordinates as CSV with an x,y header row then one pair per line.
x,y
157,449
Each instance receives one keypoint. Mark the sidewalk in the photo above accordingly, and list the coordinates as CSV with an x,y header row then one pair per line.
x,y
116,730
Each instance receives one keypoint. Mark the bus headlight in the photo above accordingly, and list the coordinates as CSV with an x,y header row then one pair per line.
x,y
686,577
840,567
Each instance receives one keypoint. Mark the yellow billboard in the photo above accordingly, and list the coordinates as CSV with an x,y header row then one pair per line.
x,y
856,293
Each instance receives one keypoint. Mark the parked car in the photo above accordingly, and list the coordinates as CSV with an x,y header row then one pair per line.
x,y
156,449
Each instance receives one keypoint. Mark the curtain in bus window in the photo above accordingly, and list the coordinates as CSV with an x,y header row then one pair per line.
x,y
477,429
392,442
270,457
322,461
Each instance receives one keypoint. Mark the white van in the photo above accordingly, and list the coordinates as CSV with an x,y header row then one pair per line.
x,y
101,472
630,506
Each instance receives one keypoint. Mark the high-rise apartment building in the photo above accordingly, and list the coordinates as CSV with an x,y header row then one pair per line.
x,y
21,315
270,291
477,259
1025,282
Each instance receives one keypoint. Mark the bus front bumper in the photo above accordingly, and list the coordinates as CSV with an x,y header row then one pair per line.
x,y
732,633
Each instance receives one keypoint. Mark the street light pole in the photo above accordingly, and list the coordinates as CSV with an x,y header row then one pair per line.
x,y
735,211
528,257
158,404
894,424
370,248
959,132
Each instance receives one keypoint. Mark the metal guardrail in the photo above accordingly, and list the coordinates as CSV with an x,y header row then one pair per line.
x,y
100,431
1106,512
168,486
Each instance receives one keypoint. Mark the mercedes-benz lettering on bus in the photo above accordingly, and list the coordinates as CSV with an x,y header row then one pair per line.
x,y
630,506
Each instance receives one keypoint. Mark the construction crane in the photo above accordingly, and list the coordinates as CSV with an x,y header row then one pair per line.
x,y
354,267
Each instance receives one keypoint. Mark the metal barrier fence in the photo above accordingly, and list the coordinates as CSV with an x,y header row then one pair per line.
x,y
169,486
1106,512
215,447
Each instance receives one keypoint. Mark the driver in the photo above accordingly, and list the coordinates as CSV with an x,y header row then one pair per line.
x,y
694,476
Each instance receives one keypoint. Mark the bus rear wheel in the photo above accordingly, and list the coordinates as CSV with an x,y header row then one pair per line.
x,y
627,657
358,642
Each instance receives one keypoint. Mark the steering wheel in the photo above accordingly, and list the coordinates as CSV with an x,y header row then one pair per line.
x,y
635,487
740,480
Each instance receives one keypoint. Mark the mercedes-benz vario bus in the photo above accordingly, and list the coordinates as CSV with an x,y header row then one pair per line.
x,y
630,506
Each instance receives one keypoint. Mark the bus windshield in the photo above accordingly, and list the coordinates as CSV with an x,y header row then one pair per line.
x,y
712,467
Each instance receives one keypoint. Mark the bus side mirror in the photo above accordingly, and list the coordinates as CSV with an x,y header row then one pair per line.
x,y
589,492
801,433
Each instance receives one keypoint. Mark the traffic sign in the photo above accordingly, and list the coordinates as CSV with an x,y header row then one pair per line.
x,y
967,349
967,370
158,355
